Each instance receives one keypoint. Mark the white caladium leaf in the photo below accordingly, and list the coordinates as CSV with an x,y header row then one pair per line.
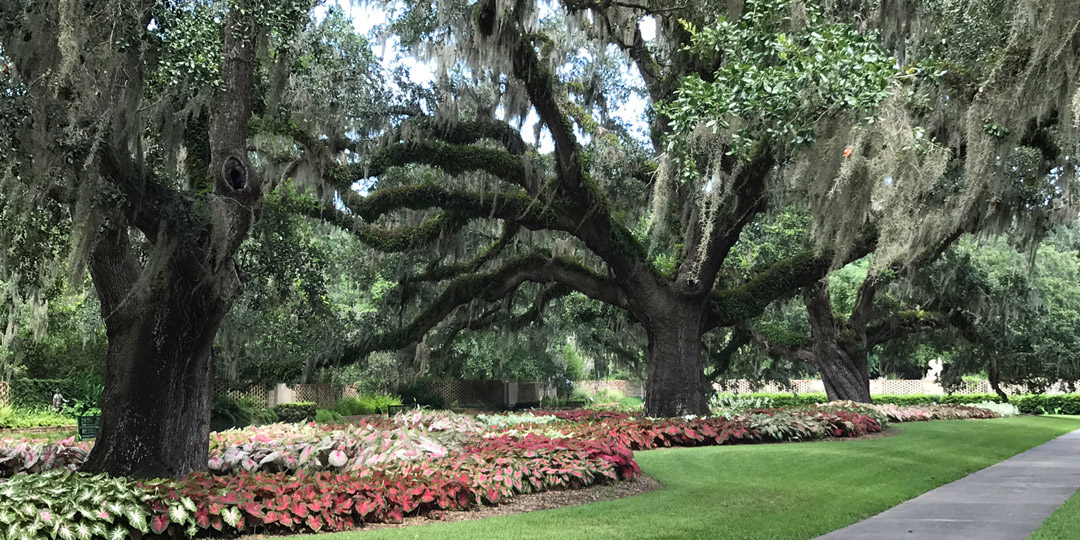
x,y
338,458
231,515
83,532
270,458
177,514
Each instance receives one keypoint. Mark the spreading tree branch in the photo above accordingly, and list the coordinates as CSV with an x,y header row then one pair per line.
x,y
441,273
490,287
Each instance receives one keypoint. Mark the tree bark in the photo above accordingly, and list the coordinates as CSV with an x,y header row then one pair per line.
x,y
156,420
995,379
676,384
839,353
161,316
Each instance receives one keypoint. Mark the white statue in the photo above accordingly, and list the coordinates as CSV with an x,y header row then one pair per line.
x,y
934,374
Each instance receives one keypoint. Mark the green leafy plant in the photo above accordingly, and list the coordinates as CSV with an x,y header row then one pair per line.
x,y
67,505
226,413
17,418
295,412
609,395
324,416
722,404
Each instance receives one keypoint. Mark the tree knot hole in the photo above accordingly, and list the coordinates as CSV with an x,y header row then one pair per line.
x,y
235,173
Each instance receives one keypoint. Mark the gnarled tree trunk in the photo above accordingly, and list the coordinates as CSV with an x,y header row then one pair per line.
x,y
676,370
839,352
156,420
161,316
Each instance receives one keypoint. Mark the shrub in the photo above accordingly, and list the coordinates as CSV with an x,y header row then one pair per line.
x,y
324,416
609,395
365,405
295,412
790,400
257,409
348,407
1049,404
38,393
581,394
226,413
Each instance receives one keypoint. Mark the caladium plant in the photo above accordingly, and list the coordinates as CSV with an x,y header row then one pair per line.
x,y
32,456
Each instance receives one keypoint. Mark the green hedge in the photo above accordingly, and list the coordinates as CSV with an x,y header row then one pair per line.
x,y
1028,404
38,393
365,405
295,412
1049,404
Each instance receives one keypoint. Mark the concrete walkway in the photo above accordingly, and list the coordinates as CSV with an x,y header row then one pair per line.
x,y
1006,501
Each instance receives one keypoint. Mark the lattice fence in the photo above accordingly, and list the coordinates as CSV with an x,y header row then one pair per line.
x,y
5,394
323,395
628,388
469,392
258,390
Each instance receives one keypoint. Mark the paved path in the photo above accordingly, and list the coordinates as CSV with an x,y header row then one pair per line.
x,y
1006,501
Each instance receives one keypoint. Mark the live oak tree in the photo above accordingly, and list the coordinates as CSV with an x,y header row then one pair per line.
x,y
134,117
778,100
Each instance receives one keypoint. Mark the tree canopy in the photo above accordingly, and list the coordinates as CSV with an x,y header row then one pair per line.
x,y
195,155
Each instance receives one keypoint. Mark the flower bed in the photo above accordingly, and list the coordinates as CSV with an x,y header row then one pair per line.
x,y
308,478
914,413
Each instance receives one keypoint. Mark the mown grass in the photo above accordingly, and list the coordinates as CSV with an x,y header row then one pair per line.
x,y
1064,524
779,491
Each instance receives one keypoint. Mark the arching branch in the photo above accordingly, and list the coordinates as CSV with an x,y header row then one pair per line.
x,y
491,287
514,207
440,273
467,132
451,158
902,324
731,306
387,240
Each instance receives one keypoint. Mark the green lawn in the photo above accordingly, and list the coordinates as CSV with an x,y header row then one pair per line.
x,y
762,492
1063,525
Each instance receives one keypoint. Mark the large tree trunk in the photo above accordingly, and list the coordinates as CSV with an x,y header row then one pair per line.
x,y
839,358
161,315
676,371
845,377
156,420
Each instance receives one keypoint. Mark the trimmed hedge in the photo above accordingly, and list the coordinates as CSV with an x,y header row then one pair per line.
x,y
1048,404
1028,404
38,393
295,412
